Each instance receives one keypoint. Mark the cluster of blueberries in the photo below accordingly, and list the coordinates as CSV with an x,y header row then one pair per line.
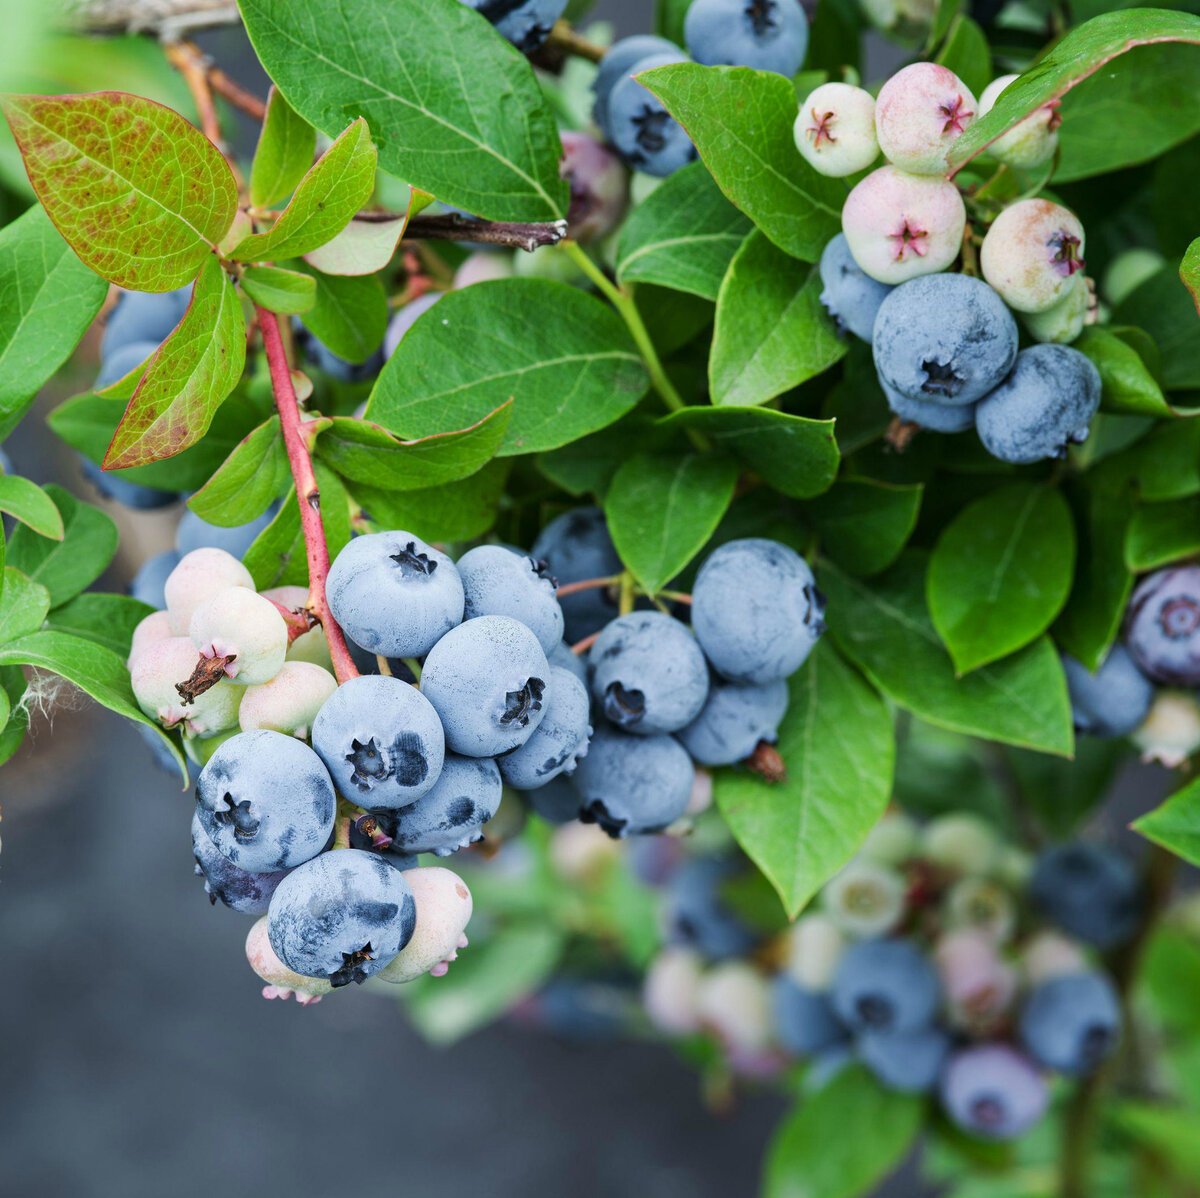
x,y
1160,649
768,35
928,959
946,344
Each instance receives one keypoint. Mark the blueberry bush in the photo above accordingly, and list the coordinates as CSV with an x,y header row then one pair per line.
x,y
743,503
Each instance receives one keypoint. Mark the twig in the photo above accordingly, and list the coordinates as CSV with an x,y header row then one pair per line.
x,y
169,20
564,38
308,494
298,622
453,226
189,62
581,647
588,584
237,95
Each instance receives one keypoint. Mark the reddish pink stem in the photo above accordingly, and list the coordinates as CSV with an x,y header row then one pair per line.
x,y
308,494
588,584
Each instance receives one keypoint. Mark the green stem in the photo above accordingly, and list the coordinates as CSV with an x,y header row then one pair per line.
x,y
628,594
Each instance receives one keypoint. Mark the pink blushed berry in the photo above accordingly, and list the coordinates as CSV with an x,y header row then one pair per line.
x,y
1030,142
1031,254
919,114
835,130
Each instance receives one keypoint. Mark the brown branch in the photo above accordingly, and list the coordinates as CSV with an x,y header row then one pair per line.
x,y
189,62
168,20
514,234
236,95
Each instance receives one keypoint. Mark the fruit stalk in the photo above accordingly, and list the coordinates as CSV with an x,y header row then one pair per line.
x,y
308,493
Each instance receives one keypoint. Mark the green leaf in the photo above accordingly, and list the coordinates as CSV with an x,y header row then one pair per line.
x,y
1090,621
794,454
140,195
28,503
108,620
365,453
16,717
884,628
843,1141
501,969
682,236
285,291
64,567
1127,385
1164,307
662,509
188,379
278,557
482,139
1167,1135
47,300
1175,824
771,332
363,247
350,315
1161,533
95,669
1063,793
837,743
586,466
863,524
1189,272
1163,464
338,185
254,475
1082,53
458,511
966,53
563,355
1000,573
285,151
24,604
741,123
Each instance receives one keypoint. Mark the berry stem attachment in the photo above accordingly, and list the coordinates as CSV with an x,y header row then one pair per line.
x,y
628,594
308,494
298,622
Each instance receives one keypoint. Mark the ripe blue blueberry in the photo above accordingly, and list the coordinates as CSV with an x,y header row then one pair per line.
x,y
1042,408
498,582
648,673
1114,700
338,368
557,802
993,1091
120,490
756,610
641,128
394,595
558,742
576,547
249,894
451,816
381,741
769,35
909,1062
526,23
487,679
266,801
196,533
342,916
805,1022
634,784
849,295
734,719
619,61
696,915
1091,892
1072,1023
574,663
151,578
940,417
1162,626
142,316
944,338
885,986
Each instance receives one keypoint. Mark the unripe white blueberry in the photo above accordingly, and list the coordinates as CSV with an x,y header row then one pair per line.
x,y
978,987
905,18
444,908
1014,867
1028,143
899,226
483,266
983,906
920,113
1128,271
582,852
1064,322
892,841
734,1003
671,991
242,625
154,628
281,981
309,646
961,842
154,674
1031,253
289,702
1049,954
865,899
835,131
1170,734
199,576
814,945
702,794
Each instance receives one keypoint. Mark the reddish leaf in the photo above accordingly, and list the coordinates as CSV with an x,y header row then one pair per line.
x,y
1189,272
